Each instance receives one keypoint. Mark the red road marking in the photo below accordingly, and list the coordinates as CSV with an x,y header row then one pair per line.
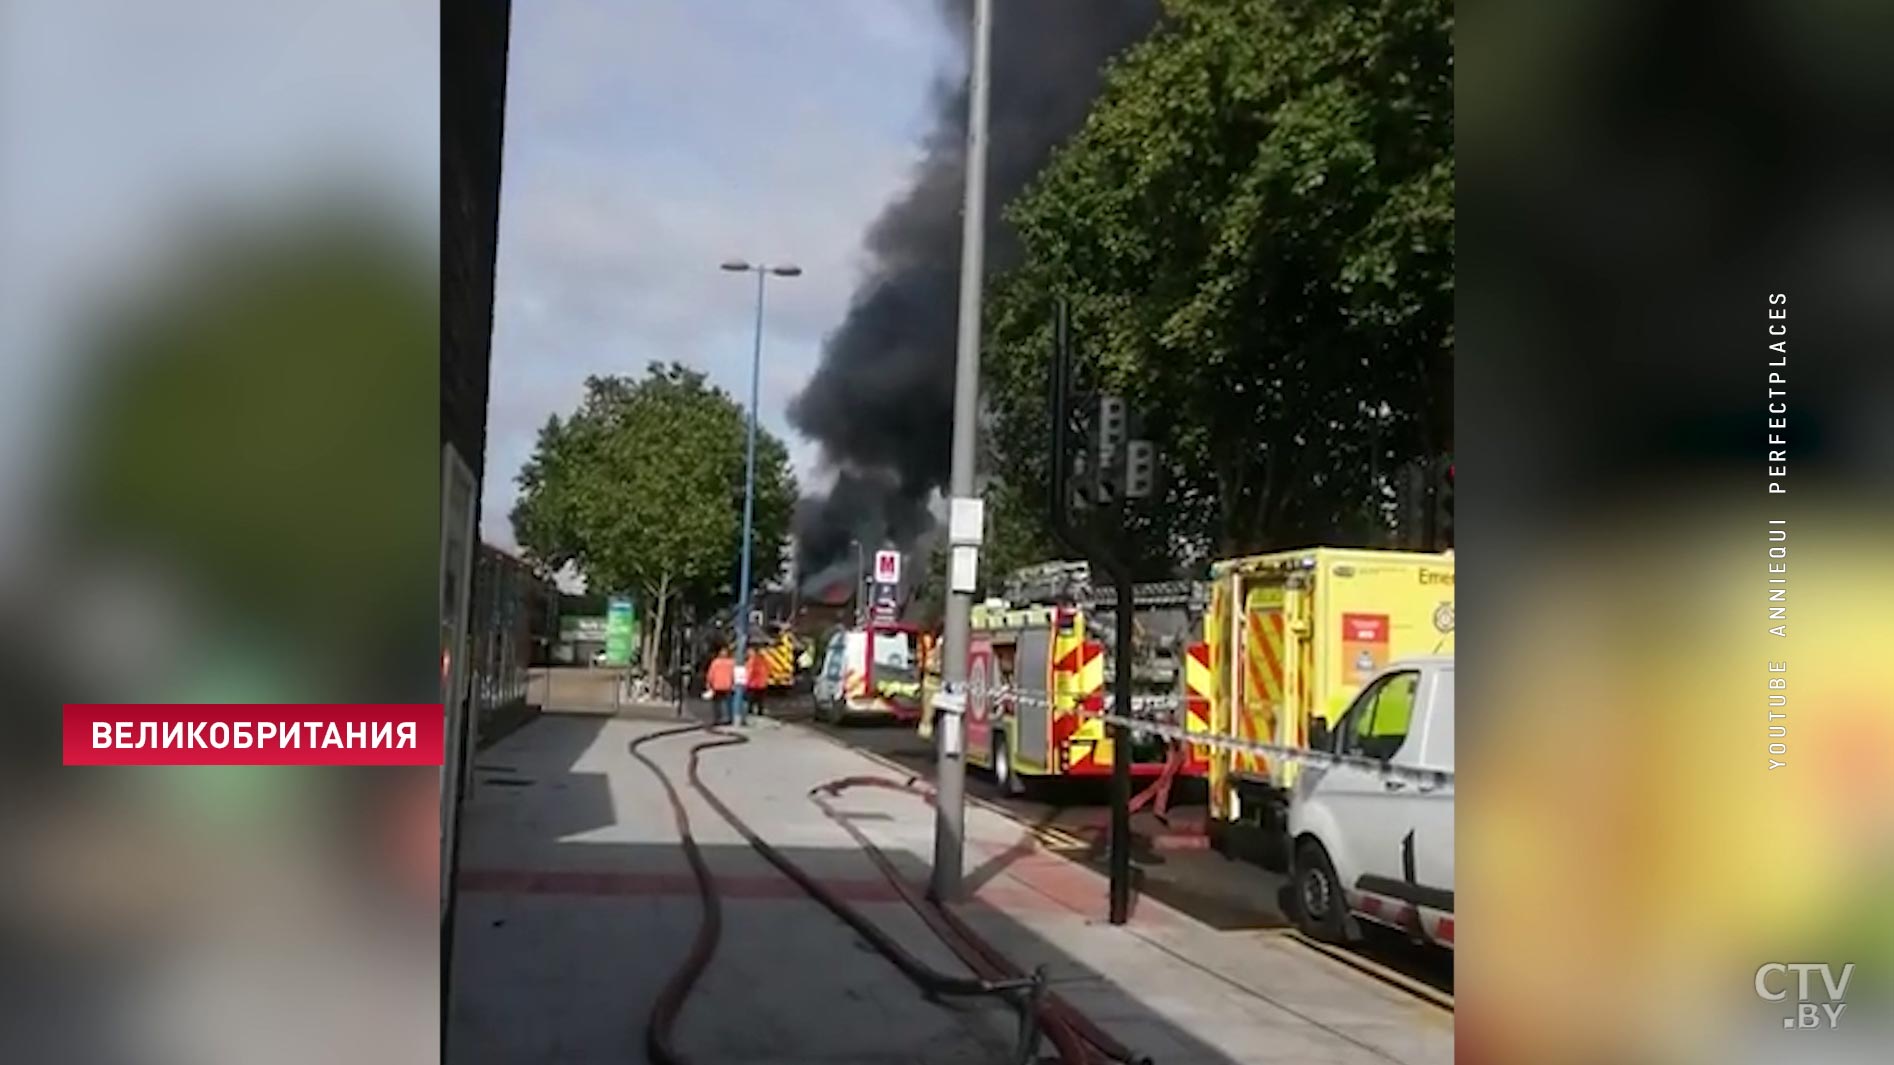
x,y
1052,887
655,885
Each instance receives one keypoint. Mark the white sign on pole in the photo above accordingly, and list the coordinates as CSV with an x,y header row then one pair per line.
x,y
887,567
964,570
966,521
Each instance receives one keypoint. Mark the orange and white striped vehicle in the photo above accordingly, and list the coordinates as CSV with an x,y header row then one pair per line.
x,y
1293,637
870,672
1038,671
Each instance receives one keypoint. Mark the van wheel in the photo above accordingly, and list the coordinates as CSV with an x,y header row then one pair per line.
x,y
1321,909
1003,773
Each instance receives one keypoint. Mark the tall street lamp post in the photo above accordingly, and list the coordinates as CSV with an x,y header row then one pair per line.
x,y
965,513
861,581
742,656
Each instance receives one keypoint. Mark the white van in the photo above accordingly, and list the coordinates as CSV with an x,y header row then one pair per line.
x,y
872,672
1372,845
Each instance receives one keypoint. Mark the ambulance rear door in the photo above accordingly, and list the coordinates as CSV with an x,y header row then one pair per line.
x,y
1373,608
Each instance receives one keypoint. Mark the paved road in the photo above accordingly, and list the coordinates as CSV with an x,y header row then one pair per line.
x,y
1171,860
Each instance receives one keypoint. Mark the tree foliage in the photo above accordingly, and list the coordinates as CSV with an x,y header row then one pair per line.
x,y
1255,231
641,489
247,421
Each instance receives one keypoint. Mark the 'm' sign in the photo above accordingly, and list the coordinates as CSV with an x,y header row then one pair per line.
x,y
887,567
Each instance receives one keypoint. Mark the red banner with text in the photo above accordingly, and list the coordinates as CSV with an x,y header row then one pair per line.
x,y
410,734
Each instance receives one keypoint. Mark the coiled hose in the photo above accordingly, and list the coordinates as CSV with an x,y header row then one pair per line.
x,y
1025,993
670,1001
978,954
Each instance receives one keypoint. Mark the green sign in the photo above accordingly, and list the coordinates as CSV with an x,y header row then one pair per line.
x,y
582,629
621,631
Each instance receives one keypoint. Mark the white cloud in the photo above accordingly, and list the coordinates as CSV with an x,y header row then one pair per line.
x,y
646,144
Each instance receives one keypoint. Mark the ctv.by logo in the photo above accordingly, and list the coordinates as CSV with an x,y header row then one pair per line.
x,y
1807,1014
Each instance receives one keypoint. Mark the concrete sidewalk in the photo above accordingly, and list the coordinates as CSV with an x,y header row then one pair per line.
x,y
577,904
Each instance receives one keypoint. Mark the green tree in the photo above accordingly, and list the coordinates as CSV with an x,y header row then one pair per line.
x,y
245,422
1255,230
1018,534
641,489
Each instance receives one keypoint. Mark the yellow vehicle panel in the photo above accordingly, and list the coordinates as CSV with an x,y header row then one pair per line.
x,y
1294,635
1075,672
780,657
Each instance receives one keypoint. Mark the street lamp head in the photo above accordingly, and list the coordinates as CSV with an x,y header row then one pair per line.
x,y
737,266
786,271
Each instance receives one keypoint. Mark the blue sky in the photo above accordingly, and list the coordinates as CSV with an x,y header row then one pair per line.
x,y
647,142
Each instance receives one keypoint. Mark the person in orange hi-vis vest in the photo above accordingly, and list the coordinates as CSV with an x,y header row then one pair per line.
x,y
756,679
720,678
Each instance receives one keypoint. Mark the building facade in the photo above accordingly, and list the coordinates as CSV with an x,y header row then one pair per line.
x,y
473,115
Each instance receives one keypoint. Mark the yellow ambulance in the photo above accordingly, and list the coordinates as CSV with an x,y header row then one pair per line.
x,y
1292,637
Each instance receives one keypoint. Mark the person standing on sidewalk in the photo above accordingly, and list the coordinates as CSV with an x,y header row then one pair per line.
x,y
756,678
720,678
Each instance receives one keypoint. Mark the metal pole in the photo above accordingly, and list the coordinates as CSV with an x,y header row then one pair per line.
x,y
749,513
1432,518
1121,757
950,808
861,579
795,581
680,671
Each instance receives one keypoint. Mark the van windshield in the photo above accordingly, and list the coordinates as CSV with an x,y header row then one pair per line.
x,y
895,657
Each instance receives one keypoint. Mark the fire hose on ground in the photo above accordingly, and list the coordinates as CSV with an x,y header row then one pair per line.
x,y
1158,793
978,954
1041,1015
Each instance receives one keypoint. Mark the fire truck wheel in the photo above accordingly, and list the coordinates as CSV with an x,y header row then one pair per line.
x,y
1321,909
1003,774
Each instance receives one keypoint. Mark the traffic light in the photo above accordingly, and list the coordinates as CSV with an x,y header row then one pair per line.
x,y
1108,438
1140,469
1111,429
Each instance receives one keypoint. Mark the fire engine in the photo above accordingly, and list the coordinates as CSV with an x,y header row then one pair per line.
x,y
1039,671
779,655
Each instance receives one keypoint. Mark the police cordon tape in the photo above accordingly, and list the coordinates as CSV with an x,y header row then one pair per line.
x,y
955,702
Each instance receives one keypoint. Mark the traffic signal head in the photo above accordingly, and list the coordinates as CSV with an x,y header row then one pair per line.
x,y
1140,469
1111,428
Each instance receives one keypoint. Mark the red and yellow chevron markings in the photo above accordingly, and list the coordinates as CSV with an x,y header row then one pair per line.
x,y
1200,685
1078,671
1264,686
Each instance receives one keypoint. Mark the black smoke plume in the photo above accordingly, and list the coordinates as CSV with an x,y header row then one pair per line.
x,y
881,403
